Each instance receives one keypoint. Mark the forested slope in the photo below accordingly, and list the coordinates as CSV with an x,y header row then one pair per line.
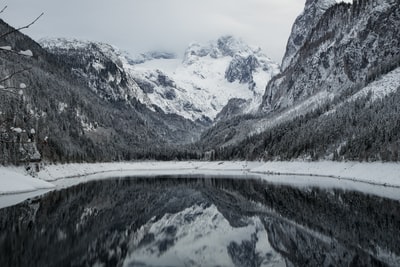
x,y
55,116
337,99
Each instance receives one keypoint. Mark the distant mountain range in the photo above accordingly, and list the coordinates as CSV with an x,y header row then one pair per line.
x,y
195,87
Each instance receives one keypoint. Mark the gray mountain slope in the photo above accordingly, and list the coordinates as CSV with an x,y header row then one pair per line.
x,y
348,48
326,103
59,115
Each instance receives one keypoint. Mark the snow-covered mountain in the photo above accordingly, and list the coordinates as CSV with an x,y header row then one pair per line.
x,y
201,84
206,79
342,51
196,87
338,84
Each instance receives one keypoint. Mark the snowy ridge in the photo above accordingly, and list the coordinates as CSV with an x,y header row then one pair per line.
x,y
101,52
112,52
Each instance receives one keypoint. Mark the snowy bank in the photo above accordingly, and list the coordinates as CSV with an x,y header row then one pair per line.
x,y
375,172
15,180
366,177
378,173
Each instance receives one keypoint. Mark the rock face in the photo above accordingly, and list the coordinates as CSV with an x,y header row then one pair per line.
x,y
302,27
241,69
234,107
349,46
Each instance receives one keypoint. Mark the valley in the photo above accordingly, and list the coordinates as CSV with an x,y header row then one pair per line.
x,y
213,156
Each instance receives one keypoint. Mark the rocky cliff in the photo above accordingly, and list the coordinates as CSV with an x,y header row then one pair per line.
x,y
348,47
302,27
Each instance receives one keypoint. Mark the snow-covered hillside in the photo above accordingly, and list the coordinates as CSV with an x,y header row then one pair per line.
x,y
196,87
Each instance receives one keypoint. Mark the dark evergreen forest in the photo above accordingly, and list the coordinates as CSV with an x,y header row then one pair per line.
x,y
360,130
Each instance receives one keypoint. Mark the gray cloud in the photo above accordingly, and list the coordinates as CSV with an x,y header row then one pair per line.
x,y
141,25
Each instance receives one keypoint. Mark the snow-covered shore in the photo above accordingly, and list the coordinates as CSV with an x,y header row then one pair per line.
x,y
15,180
350,175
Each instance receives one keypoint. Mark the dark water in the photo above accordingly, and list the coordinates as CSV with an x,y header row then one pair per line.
x,y
200,222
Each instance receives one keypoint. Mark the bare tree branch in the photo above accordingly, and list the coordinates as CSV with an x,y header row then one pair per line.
x,y
4,8
21,28
13,74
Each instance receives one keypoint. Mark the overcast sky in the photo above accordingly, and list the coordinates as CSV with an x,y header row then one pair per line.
x,y
143,25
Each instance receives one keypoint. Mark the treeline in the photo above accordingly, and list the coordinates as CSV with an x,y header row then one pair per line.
x,y
360,130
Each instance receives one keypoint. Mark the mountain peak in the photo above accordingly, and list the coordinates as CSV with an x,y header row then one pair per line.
x,y
73,43
321,4
208,77
224,46
229,45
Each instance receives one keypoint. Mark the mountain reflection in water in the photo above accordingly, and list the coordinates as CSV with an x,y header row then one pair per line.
x,y
170,221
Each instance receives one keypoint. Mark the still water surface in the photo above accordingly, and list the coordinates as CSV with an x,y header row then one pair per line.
x,y
197,221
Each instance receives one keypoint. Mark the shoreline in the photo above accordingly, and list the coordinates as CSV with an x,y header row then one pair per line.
x,y
16,181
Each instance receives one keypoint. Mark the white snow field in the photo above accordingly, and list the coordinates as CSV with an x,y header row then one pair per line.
x,y
378,178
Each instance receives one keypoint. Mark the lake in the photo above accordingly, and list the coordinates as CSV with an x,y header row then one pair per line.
x,y
198,221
